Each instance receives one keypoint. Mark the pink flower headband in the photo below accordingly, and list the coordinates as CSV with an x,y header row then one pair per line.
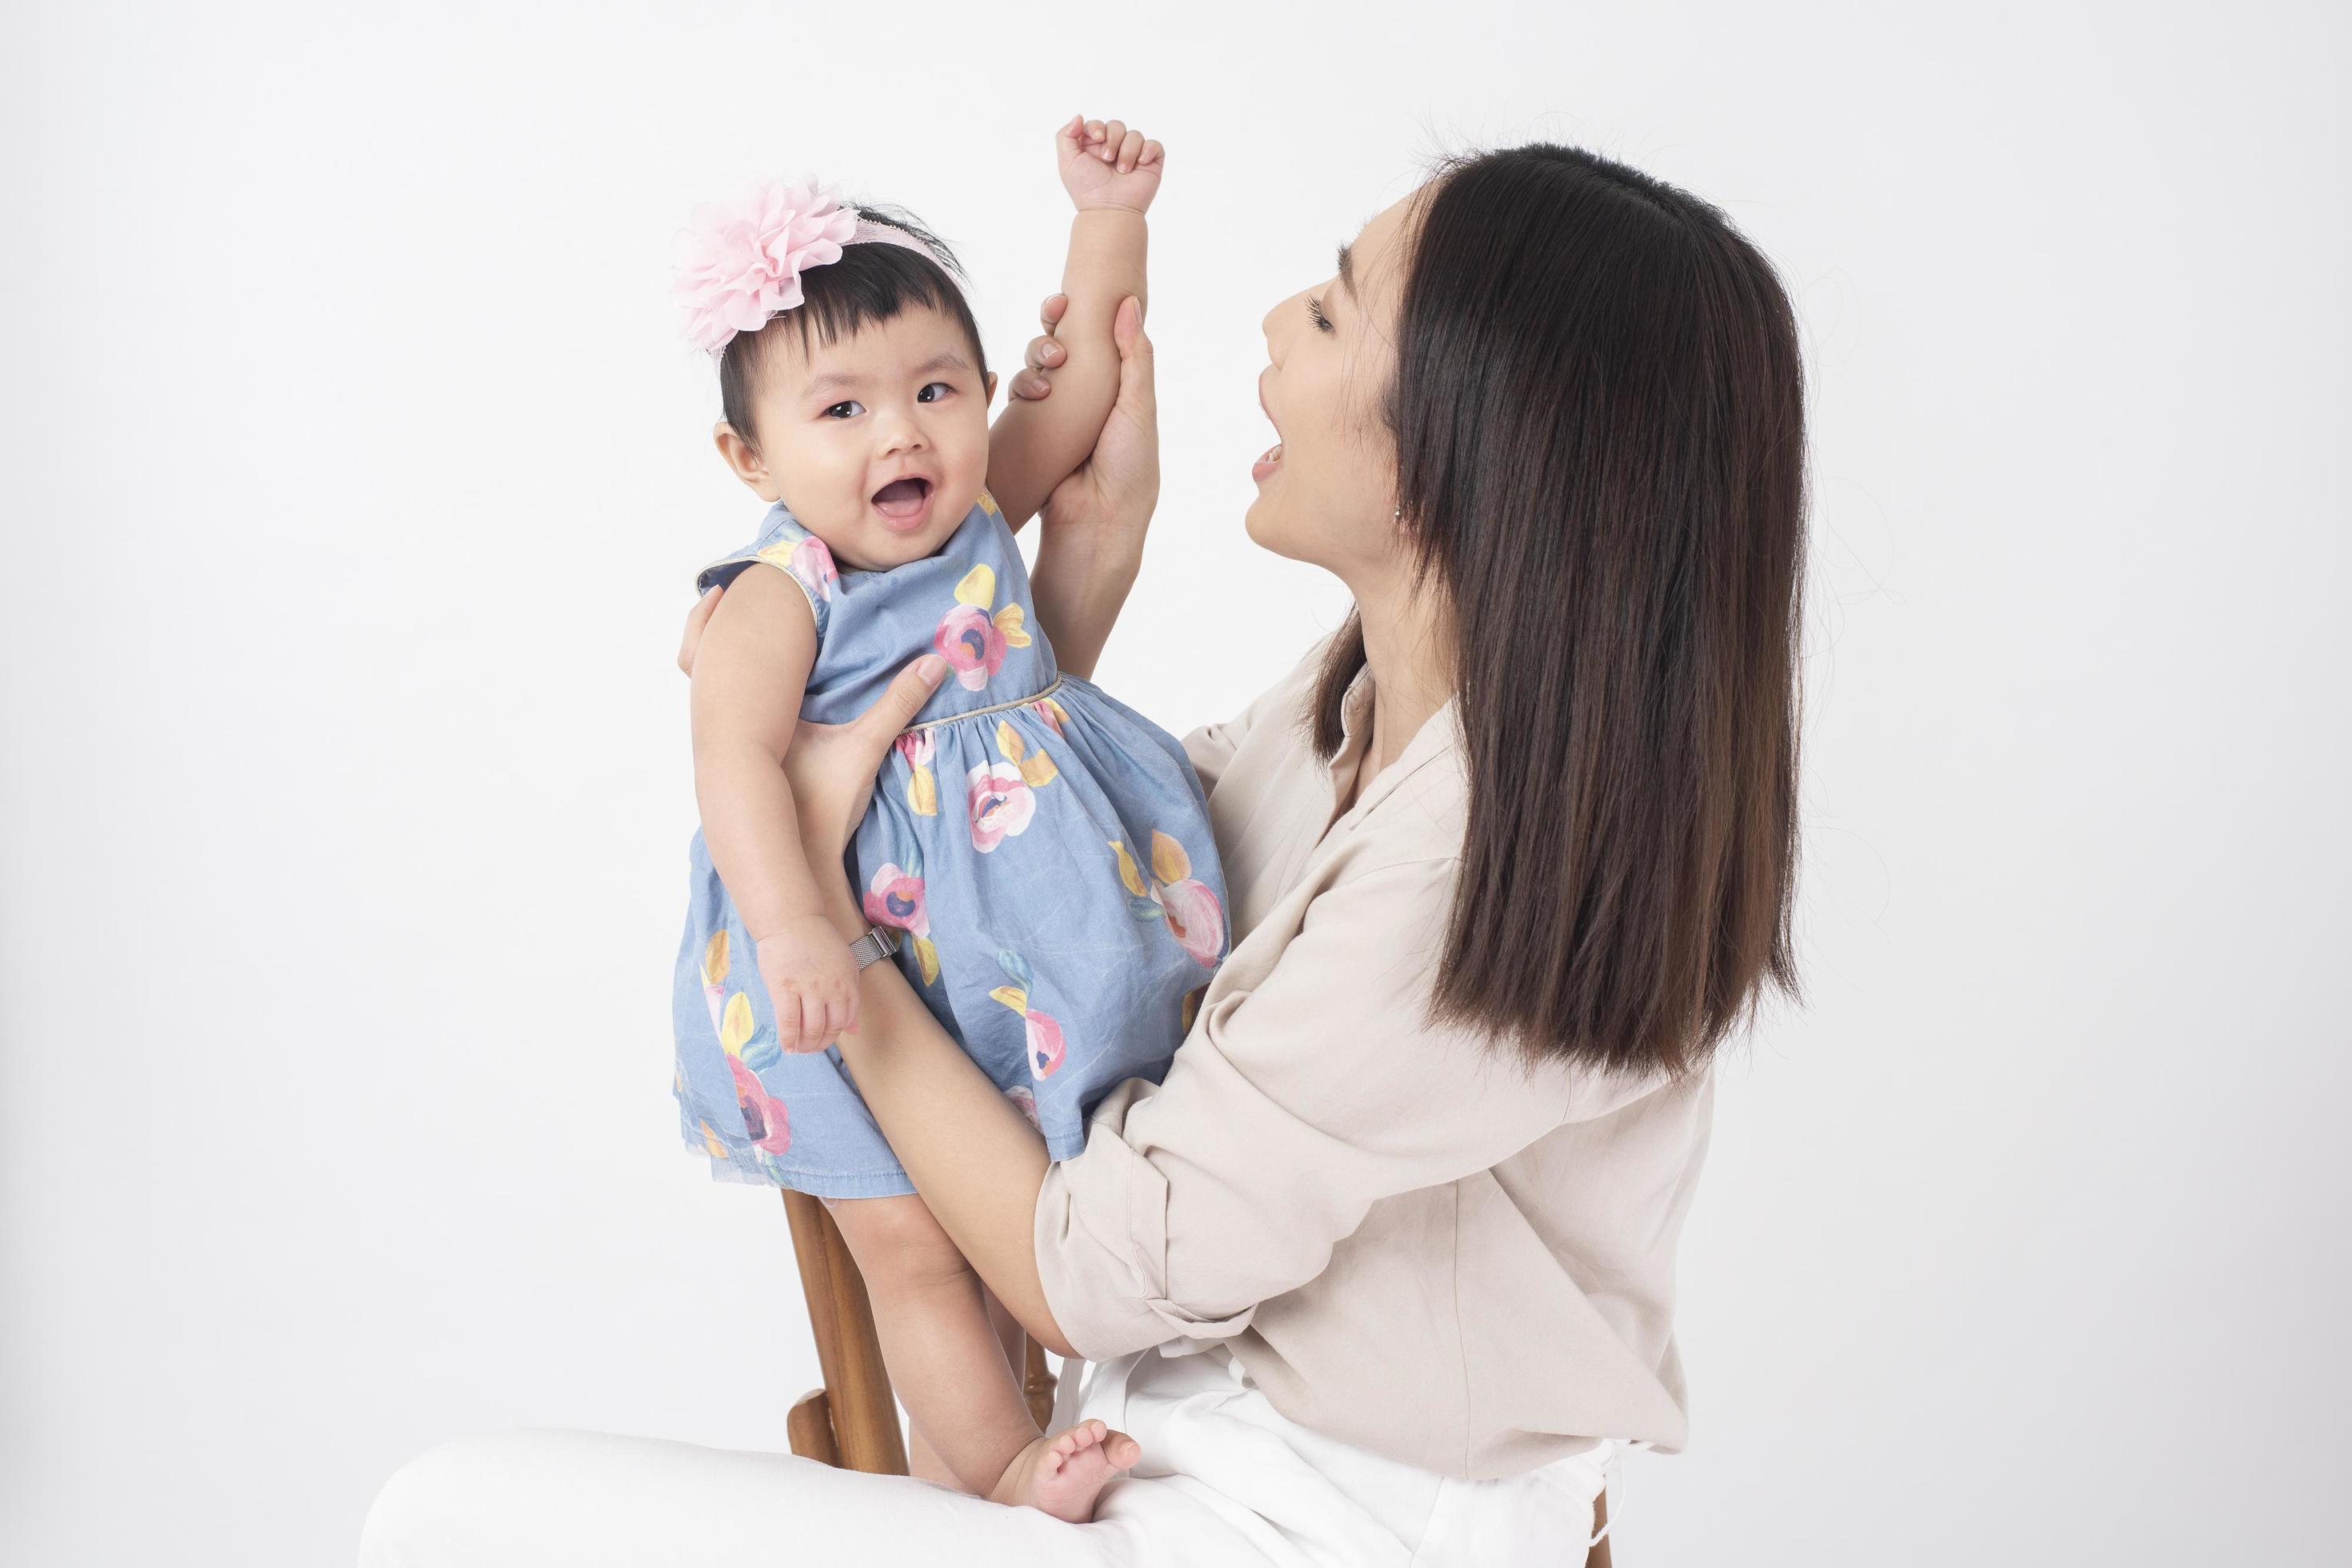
x,y
738,265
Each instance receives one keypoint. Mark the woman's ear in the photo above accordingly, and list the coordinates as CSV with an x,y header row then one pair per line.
x,y
745,460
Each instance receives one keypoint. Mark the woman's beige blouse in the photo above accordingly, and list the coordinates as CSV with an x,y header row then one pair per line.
x,y
1409,1243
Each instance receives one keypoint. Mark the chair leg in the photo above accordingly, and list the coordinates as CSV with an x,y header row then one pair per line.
x,y
809,1425
858,1412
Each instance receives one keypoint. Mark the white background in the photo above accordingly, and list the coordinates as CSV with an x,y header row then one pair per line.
x,y
354,479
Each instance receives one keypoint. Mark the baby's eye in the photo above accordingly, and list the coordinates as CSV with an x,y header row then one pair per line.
x,y
944,387
836,408
1315,313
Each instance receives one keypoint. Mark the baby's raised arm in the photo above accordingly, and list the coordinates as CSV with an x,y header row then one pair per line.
x,y
1111,173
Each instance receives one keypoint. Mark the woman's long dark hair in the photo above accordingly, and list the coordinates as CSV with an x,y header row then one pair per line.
x,y
1599,418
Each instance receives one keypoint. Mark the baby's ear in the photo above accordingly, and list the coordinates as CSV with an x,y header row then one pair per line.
x,y
991,386
744,459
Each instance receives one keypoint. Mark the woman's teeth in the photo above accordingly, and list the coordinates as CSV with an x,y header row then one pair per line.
x,y
1268,463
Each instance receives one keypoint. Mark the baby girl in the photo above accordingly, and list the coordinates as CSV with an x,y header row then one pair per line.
x,y
1037,859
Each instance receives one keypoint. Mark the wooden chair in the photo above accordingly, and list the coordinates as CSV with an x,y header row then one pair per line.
x,y
853,1421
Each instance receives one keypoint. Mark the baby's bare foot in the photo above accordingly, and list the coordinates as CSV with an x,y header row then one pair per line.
x,y
1061,1472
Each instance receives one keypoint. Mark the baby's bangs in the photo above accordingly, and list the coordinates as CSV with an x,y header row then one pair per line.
x,y
870,285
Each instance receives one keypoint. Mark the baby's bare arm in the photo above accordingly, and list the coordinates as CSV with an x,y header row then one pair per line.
x,y
749,672
1111,173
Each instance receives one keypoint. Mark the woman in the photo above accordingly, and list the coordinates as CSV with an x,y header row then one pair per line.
x,y
1383,1272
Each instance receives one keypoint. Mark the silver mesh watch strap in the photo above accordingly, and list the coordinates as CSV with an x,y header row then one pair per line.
x,y
879,941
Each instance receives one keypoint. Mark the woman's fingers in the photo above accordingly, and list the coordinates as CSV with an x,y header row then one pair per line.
x,y
904,697
1030,386
696,619
1050,313
1043,353
1136,390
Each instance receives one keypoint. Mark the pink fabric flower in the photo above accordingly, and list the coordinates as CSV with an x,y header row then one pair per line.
x,y
739,264
999,802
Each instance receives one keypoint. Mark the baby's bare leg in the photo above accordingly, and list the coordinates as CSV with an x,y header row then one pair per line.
x,y
922,1460
945,1357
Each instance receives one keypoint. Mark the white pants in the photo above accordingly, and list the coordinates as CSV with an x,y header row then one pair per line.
x,y
1224,1481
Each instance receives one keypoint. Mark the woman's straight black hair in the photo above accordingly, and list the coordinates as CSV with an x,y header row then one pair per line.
x,y
1599,418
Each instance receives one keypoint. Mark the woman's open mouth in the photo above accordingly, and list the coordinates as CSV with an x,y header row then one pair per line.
x,y
1272,457
903,505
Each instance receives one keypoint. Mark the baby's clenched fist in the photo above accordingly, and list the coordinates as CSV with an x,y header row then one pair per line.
x,y
1105,164
812,982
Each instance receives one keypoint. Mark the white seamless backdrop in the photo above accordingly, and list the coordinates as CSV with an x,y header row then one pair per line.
x,y
355,478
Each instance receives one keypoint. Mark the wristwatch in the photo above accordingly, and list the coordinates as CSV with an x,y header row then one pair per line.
x,y
879,941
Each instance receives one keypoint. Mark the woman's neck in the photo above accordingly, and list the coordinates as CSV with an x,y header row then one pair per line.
x,y
1409,646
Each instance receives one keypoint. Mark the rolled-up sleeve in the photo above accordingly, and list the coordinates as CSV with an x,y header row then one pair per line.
x,y
1291,1108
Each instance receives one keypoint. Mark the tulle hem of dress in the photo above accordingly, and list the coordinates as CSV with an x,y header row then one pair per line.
x,y
890,1184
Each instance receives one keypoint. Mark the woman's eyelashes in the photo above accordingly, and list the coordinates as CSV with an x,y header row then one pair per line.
x,y
1315,313
833,411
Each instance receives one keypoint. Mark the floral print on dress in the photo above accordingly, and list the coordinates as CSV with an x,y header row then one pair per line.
x,y
1190,905
764,1121
810,564
972,641
1045,1045
1000,795
922,789
893,897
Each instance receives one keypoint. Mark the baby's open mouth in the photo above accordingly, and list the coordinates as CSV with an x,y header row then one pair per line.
x,y
903,498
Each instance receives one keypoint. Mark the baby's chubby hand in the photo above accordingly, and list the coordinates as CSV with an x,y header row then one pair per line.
x,y
812,982
1105,164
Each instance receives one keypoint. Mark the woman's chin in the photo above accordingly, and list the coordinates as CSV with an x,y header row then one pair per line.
x,y
1266,529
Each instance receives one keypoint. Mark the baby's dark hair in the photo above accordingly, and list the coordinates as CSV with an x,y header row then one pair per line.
x,y
872,282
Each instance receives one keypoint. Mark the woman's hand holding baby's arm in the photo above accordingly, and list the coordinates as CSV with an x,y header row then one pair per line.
x,y
1094,520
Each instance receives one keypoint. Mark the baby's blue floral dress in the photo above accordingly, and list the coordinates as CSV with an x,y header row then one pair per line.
x,y
1042,848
